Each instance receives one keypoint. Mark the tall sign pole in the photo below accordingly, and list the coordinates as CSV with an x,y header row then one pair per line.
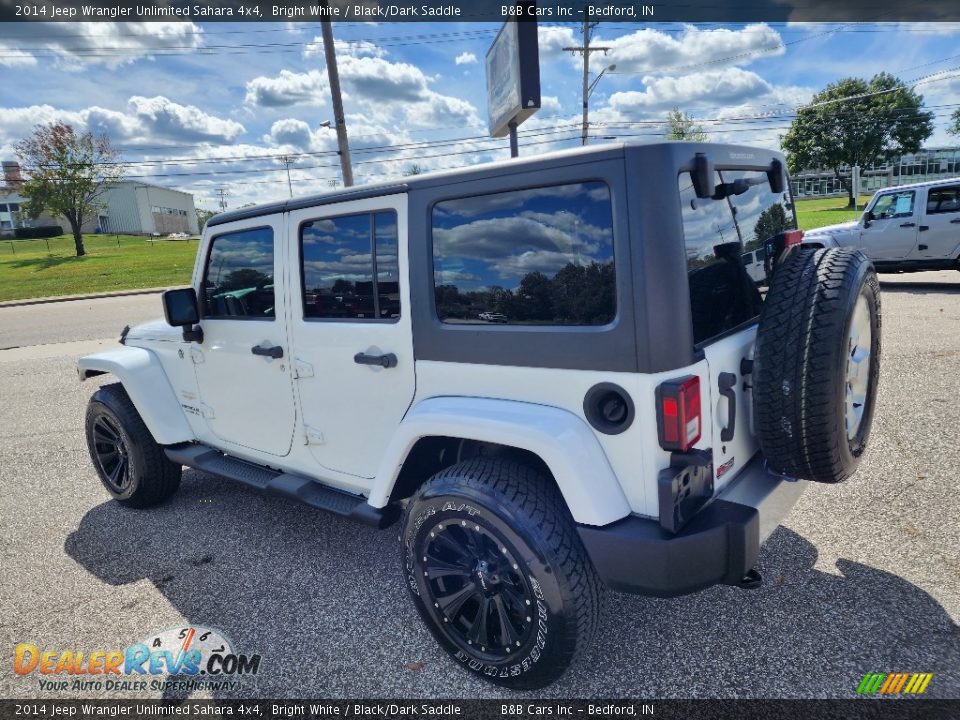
x,y
513,74
343,146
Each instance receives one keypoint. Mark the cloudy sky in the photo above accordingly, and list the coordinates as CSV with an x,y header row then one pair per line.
x,y
199,107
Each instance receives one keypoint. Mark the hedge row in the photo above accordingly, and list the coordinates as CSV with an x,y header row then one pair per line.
x,y
36,233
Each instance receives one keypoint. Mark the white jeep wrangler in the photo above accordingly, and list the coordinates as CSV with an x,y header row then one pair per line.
x,y
903,229
557,370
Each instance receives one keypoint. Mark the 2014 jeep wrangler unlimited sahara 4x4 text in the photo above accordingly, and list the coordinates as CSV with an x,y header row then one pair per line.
x,y
638,414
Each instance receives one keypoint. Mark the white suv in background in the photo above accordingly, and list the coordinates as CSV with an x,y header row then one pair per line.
x,y
906,228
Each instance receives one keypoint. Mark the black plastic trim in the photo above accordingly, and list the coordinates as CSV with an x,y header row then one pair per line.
x,y
362,193
719,545
594,413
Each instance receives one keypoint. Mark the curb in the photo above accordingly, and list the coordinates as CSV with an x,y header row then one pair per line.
x,y
71,298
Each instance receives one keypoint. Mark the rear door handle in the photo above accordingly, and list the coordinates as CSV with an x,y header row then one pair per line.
x,y
726,382
924,227
955,221
908,224
388,360
275,352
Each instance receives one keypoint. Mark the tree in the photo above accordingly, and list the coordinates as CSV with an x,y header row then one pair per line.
x,y
954,128
855,122
413,169
67,173
681,126
202,216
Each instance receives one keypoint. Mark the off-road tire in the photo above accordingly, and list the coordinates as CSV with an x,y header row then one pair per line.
x,y
800,364
150,477
515,513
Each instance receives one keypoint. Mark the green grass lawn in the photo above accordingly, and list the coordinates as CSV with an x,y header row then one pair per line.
x,y
827,211
28,269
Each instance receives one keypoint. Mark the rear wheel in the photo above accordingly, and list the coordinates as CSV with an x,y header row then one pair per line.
x,y
498,573
130,464
817,363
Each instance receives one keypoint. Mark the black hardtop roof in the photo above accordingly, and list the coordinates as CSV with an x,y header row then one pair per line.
x,y
680,151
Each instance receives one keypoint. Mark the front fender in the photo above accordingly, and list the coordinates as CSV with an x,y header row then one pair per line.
x,y
561,439
146,383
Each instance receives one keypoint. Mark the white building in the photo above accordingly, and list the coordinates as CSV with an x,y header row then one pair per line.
x,y
128,208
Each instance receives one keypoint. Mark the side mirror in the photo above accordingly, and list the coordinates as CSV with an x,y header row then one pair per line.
x,y
775,177
181,309
868,218
702,176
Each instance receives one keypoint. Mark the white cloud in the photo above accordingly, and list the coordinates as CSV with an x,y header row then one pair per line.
x,y
76,44
345,48
288,88
162,117
716,87
465,58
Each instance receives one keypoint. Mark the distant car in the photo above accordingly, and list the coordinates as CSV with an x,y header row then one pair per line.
x,y
753,262
493,317
905,228
177,236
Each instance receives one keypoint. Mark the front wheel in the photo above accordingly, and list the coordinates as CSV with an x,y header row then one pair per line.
x,y
497,571
130,463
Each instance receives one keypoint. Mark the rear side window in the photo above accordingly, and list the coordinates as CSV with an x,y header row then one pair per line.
x,y
349,267
721,237
541,256
238,277
943,200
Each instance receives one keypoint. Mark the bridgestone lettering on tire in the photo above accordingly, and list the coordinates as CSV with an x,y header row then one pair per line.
x,y
130,464
816,364
497,571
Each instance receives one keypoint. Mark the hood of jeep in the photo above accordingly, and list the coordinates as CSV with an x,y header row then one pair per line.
x,y
156,330
839,228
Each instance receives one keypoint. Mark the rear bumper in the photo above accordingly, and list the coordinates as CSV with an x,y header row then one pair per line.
x,y
719,544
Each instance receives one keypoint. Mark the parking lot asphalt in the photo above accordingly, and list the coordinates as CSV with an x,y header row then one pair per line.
x,y
862,577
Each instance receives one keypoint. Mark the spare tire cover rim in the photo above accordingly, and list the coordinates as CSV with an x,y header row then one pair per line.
x,y
858,366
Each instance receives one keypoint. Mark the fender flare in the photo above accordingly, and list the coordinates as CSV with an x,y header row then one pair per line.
x,y
561,439
142,376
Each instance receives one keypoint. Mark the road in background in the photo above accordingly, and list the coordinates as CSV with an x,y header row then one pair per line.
x,y
25,325
862,577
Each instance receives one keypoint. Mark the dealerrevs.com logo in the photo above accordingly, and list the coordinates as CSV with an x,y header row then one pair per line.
x,y
191,657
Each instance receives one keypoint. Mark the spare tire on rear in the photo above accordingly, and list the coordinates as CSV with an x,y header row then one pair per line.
x,y
816,364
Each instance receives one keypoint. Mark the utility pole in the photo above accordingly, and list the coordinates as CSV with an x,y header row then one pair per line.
x,y
285,159
585,50
341,126
222,192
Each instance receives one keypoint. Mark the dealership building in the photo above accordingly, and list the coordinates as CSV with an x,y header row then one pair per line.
x,y
925,164
127,208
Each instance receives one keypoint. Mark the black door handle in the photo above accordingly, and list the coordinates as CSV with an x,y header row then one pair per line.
x,y
924,227
955,221
387,361
922,247
908,224
275,352
726,382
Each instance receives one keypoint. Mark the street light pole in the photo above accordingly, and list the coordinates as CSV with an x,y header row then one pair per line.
x,y
341,126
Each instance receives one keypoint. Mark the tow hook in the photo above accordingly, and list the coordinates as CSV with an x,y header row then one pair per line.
x,y
751,581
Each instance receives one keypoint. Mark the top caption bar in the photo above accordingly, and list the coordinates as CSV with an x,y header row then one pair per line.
x,y
724,11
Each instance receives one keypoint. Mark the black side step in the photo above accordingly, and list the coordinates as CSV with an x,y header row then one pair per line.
x,y
300,488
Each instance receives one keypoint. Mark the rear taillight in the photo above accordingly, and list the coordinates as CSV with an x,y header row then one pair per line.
x,y
678,413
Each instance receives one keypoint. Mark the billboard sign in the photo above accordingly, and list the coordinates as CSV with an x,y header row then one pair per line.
x,y
513,76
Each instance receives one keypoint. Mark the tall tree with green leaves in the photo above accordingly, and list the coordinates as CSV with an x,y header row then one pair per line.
x,y
954,128
857,122
67,173
681,126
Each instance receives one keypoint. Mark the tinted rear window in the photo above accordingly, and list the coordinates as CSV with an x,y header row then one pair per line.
x,y
719,236
539,256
